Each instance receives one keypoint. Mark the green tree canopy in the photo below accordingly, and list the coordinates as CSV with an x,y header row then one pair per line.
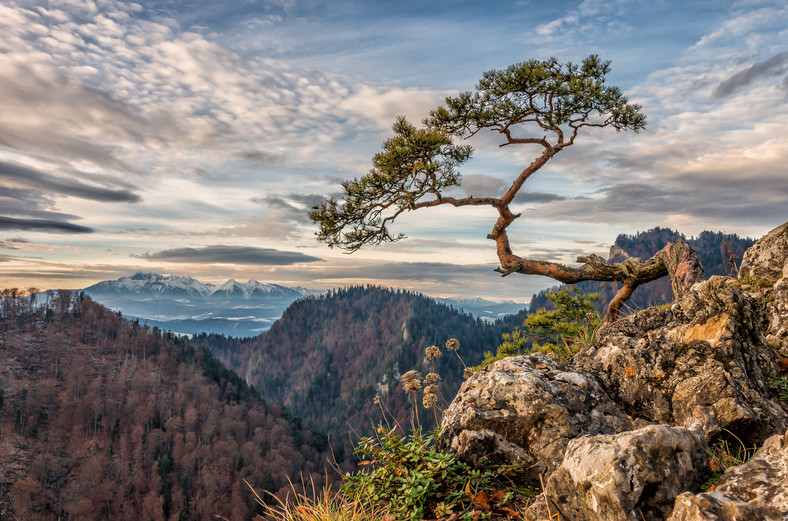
x,y
537,102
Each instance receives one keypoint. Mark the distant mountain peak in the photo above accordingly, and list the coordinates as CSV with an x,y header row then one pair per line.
x,y
155,284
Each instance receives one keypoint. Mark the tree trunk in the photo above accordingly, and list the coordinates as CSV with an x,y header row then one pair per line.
x,y
676,260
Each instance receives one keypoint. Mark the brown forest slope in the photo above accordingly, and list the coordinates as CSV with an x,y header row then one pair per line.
x,y
101,418
328,356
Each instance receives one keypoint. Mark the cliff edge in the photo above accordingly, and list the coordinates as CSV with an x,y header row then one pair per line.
x,y
623,430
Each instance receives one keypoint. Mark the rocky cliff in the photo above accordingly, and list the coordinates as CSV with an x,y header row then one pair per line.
x,y
623,430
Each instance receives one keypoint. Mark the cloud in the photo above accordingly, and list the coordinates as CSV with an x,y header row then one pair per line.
x,y
10,223
292,207
424,271
481,185
774,65
14,243
32,178
218,254
537,197
259,157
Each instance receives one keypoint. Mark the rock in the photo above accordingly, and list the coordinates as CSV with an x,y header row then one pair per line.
x,y
777,313
526,409
757,490
703,361
630,476
713,506
766,259
621,430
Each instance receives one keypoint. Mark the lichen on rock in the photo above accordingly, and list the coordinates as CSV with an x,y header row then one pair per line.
x,y
757,490
628,476
526,409
704,361
622,429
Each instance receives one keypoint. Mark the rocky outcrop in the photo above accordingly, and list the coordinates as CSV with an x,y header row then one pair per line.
x,y
636,474
526,409
757,490
766,259
623,428
703,361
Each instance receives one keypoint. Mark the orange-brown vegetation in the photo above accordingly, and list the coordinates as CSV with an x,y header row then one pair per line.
x,y
101,418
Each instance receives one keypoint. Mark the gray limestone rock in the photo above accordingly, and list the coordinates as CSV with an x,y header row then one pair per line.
x,y
757,490
630,476
703,361
776,312
765,260
526,409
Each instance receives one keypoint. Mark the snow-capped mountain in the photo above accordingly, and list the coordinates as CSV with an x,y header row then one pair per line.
x,y
252,288
153,284
183,304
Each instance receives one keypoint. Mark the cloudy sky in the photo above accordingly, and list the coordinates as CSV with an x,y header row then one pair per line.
x,y
193,136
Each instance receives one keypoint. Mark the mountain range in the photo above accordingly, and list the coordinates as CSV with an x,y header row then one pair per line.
x,y
185,305
329,355
174,286
182,304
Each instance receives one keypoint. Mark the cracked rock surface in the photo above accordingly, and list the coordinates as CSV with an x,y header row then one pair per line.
x,y
621,431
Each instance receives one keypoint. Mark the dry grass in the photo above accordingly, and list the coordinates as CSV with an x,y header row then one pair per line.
x,y
322,504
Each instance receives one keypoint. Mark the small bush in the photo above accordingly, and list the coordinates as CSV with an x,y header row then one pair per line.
x,y
559,332
412,480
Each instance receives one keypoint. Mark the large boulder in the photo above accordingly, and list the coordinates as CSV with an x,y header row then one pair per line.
x,y
526,409
704,360
765,260
755,491
630,476
776,299
764,275
622,429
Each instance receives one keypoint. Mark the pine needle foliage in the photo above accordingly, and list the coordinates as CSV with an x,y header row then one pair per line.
x,y
557,332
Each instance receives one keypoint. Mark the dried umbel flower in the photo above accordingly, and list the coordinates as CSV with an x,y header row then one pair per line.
x,y
429,401
431,378
411,381
376,401
452,344
431,389
432,352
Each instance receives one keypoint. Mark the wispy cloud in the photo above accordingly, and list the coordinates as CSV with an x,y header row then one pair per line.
x,y
29,177
773,66
10,223
218,254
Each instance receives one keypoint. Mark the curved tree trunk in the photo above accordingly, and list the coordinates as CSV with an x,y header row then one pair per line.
x,y
676,260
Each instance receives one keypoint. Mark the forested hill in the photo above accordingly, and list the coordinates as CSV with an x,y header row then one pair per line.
x,y
328,356
713,248
101,418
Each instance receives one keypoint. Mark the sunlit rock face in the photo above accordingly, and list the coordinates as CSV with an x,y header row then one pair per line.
x,y
757,490
766,259
622,429
629,476
705,361
526,409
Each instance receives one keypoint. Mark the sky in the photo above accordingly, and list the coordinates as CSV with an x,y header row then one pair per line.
x,y
193,137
